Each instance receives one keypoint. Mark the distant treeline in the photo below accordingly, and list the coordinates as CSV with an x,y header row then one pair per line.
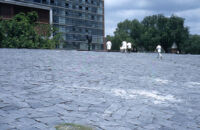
x,y
23,31
154,30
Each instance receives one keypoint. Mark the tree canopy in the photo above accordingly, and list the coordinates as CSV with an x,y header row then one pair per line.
x,y
23,31
154,30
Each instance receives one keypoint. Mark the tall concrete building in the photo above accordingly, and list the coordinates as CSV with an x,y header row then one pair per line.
x,y
75,19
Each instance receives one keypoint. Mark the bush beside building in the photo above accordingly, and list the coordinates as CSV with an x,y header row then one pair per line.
x,y
23,31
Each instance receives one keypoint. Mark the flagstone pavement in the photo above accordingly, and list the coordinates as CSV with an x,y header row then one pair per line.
x,y
40,89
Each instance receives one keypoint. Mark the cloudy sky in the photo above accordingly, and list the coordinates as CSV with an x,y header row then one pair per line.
x,y
119,10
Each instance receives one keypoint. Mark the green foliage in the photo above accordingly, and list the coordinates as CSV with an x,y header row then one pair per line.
x,y
2,33
154,30
23,31
192,45
32,17
70,126
129,31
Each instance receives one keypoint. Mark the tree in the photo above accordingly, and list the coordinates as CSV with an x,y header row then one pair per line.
x,y
192,45
159,29
115,42
179,33
129,31
154,30
136,32
2,33
23,31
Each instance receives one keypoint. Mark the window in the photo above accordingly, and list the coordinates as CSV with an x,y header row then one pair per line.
x,y
94,10
86,16
67,5
61,20
55,11
62,29
100,18
52,1
73,29
74,6
61,12
80,7
86,8
101,3
100,11
56,19
79,14
38,1
74,37
92,17
44,1
98,4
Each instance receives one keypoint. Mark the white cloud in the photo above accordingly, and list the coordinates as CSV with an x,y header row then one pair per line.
x,y
113,18
194,27
114,3
192,19
131,14
119,10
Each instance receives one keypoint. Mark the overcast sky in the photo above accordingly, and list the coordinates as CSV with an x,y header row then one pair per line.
x,y
119,10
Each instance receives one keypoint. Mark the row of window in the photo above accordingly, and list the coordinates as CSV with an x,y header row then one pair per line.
x,y
77,22
78,37
80,30
82,46
76,5
84,8
70,13
98,3
81,38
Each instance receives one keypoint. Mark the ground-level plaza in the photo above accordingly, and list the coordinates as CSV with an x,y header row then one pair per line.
x,y
40,89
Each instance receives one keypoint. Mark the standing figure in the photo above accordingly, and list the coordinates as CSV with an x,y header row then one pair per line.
x,y
108,45
129,46
159,48
124,46
89,39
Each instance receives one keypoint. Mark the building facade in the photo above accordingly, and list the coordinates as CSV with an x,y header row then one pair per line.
x,y
75,19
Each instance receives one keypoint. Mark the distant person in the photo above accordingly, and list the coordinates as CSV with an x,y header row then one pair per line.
x,y
158,49
121,48
89,39
108,45
129,47
124,46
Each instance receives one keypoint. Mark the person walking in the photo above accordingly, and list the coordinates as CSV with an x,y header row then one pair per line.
x,y
124,46
129,47
108,45
159,48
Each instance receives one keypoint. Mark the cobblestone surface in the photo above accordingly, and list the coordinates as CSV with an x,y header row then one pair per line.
x,y
109,91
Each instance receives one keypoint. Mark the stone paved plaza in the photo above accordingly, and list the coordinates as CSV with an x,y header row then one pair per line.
x,y
40,89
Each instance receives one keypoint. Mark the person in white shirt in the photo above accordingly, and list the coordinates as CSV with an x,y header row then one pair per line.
x,y
108,45
129,47
159,48
124,46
